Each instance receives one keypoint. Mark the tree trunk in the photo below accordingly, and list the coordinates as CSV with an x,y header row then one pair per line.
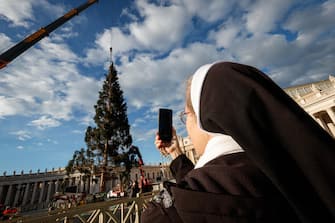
x,y
104,169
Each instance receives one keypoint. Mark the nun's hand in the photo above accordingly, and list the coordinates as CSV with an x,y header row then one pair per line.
x,y
168,148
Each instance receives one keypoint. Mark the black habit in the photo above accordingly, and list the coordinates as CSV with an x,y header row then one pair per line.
x,y
229,189
287,172
292,150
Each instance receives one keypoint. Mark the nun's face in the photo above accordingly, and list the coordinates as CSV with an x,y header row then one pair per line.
x,y
198,137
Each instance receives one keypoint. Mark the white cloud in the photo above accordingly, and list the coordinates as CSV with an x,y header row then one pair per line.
x,y
57,51
22,135
83,92
154,33
312,23
20,147
138,122
261,50
44,122
87,120
162,82
144,135
209,11
52,141
227,33
56,89
77,131
46,81
127,13
5,42
288,60
21,13
264,15
11,106
114,37
16,11
157,31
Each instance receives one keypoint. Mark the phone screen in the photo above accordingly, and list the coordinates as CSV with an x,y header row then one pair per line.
x,y
165,124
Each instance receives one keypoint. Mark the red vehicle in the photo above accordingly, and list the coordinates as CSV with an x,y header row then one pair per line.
x,y
9,213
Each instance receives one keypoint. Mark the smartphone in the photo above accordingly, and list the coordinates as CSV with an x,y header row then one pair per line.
x,y
165,124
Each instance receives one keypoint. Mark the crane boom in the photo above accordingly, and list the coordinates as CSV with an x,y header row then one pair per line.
x,y
29,41
135,150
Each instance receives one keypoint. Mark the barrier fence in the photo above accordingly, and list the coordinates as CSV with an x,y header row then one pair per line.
x,y
122,210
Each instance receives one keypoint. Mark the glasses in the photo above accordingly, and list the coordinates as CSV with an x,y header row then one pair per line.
x,y
182,116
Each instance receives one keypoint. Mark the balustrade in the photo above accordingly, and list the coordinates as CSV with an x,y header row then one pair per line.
x,y
124,210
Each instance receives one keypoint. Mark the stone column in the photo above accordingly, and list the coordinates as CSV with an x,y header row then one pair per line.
x,y
1,191
34,193
50,187
331,114
40,200
81,184
9,195
17,195
56,186
331,126
26,194
191,156
90,191
322,123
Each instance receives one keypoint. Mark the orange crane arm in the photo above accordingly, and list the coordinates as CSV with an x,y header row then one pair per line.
x,y
29,41
135,150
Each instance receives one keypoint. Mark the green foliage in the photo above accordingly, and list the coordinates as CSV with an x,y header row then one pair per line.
x,y
110,139
82,161
109,142
111,134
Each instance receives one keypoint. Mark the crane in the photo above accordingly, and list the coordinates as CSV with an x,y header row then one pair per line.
x,y
135,150
144,183
19,48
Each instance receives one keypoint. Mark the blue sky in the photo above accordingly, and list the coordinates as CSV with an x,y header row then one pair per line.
x,y
47,94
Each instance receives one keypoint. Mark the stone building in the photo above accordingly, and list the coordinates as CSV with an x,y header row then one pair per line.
x,y
154,173
318,100
186,146
31,191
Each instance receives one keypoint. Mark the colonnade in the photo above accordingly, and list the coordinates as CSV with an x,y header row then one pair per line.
x,y
27,193
32,191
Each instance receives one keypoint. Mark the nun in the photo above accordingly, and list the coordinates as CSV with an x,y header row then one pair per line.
x,y
262,157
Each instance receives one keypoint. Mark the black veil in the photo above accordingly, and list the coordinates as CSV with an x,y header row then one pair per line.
x,y
286,143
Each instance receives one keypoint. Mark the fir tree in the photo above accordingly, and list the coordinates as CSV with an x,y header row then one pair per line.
x,y
110,138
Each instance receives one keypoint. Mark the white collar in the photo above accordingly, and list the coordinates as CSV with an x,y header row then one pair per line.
x,y
217,146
